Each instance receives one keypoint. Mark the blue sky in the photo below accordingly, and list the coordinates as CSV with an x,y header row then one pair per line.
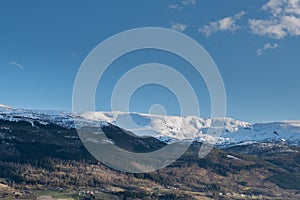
x,y
255,45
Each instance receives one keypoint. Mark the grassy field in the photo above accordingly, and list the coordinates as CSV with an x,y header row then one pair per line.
x,y
58,195
68,195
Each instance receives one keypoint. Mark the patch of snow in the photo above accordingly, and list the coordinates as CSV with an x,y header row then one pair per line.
x,y
2,106
71,137
233,157
5,128
107,141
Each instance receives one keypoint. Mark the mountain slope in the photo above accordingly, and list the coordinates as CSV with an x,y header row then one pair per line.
x,y
52,157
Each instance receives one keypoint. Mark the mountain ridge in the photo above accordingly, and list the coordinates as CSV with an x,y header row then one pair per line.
x,y
168,129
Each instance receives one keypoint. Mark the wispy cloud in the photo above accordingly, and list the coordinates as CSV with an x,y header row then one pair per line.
x,y
14,63
175,7
189,2
225,24
266,47
284,19
182,4
178,26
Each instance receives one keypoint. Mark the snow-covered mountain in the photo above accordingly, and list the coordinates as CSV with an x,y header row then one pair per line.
x,y
174,128
167,128
4,106
64,119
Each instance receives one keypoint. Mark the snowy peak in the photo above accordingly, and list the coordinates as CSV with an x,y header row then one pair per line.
x,y
285,131
180,128
174,128
64,119
2,106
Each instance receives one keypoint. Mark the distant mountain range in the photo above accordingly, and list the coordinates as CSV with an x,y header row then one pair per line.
x,y
41,151
167,129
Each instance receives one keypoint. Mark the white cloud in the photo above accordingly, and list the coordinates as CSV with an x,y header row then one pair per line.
x,y
283,21
189,2
207,30
14,63
270,27
175,7
225,24
178,26
182,4
266,47
280,7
